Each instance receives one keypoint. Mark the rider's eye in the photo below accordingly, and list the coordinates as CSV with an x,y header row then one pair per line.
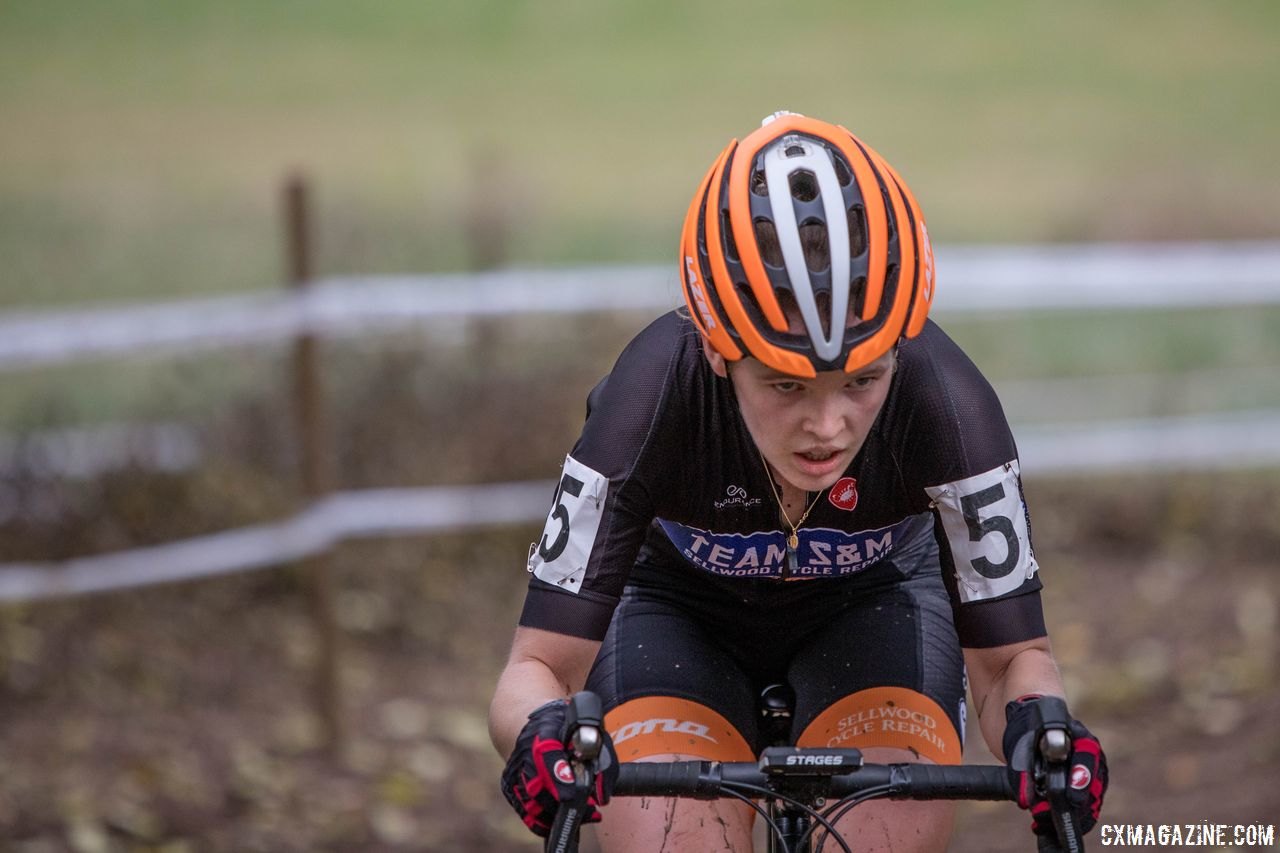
x,y
866,380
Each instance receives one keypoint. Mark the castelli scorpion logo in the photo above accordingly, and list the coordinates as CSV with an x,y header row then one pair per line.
x,y
844,494
1080,777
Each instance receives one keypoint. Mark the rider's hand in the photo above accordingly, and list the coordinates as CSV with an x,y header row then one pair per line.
x,y
538,775
1087,780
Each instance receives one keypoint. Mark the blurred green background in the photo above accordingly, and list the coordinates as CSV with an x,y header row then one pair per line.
x,y
142,142
142,150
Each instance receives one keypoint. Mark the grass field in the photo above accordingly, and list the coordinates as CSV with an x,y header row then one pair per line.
x,y
142,142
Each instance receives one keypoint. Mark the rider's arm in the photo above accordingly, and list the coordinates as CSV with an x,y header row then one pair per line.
x,y
1000,674
542,666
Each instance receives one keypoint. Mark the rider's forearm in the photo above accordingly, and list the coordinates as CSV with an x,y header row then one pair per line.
x,y
542,667
524,686
998,676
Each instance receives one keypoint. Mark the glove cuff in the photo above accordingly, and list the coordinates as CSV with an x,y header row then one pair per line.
x,y
550,703
1018,723
1025,699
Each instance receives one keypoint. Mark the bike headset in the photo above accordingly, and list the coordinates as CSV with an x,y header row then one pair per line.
x,y
744,264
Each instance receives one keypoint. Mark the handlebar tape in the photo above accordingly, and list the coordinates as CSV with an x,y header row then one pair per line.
x,y
945,782
697,779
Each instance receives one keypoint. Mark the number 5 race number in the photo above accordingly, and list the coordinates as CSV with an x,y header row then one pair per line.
x,y
986,525
560,556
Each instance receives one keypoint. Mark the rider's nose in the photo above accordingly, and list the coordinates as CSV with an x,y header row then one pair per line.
x,y
825,419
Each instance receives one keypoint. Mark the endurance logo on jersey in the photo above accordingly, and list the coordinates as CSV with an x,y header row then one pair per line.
x,y
822,552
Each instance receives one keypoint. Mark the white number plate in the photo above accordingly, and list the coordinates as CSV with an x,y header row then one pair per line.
x,y
986,525
560,556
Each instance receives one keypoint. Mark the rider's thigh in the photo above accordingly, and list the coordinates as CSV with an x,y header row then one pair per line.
x,y
652,824
885,671
901,826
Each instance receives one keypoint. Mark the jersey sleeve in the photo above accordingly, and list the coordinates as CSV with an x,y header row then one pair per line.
x,y
959,459
605,500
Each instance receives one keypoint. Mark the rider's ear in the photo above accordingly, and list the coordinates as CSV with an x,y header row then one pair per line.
x,y
715,359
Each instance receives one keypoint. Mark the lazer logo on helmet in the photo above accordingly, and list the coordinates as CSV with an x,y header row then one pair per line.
x,y
822,551
699,297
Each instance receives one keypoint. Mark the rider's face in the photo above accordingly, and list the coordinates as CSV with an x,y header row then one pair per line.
x,y
809,430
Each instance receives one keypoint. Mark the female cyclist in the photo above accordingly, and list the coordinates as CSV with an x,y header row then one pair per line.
x,y
798,480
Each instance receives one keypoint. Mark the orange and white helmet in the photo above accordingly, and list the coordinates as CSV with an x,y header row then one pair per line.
x,y
802,217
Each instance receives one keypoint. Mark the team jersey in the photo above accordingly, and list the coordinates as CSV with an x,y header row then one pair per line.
x,y
665,474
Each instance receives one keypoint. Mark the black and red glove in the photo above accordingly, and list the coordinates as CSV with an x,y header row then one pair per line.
x,y
1087,782
538,775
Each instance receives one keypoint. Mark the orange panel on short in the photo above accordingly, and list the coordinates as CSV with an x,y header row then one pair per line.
x,y
887,716
664,725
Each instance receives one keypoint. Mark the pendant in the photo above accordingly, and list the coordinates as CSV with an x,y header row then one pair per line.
x,y
793,541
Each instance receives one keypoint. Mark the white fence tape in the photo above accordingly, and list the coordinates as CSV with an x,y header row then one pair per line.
x,y
1240,440
1245,440
971,278
347,515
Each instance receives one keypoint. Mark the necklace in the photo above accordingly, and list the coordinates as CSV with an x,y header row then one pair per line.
x,y
793,541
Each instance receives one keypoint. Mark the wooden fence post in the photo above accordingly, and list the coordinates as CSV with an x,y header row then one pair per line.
x,y
315,447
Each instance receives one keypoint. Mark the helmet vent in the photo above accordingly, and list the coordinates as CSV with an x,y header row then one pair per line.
x,y
843,175
857,299
794,151
726,231
767,240
891,275
804,185
759,185
752,305
857,231
817,252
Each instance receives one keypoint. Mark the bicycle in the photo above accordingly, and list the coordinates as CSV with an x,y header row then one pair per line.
x,y
806,790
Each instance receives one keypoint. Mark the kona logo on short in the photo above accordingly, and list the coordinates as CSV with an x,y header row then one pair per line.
x,y
695,290
819,760
737,496
666,725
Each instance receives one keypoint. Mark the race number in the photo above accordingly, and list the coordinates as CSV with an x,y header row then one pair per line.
x,y
560,555
986,525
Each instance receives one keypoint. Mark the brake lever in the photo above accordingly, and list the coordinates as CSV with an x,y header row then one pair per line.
x,y
582,725
1054,771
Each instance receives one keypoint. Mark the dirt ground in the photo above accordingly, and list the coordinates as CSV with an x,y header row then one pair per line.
x,y
182,718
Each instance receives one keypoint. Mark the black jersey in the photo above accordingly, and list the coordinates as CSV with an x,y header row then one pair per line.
x,y
665,474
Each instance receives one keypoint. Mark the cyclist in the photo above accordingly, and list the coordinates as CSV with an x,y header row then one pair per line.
x,y
796,479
